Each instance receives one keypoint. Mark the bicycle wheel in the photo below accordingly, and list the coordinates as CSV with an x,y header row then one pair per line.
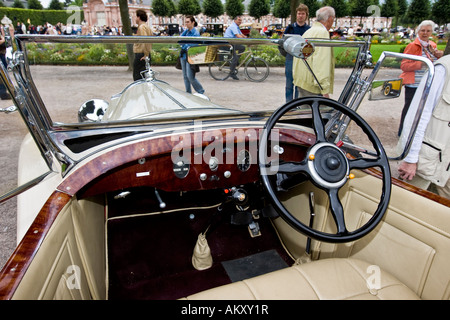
x,y
220,70
256,69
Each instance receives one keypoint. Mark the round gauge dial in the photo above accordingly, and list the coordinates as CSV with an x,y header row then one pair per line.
x,y
181,168
244,160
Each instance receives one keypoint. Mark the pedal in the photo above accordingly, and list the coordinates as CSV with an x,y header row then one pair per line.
x,y
253,229
256,214
241,218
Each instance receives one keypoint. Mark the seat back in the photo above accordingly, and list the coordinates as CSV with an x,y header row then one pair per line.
x,y
412,242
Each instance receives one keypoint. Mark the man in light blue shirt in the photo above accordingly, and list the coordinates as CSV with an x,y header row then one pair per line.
x,y
233,31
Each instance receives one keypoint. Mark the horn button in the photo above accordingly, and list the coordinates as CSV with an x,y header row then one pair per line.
x,y
329,165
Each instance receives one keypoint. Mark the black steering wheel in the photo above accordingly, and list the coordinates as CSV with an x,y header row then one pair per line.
x,y
327,167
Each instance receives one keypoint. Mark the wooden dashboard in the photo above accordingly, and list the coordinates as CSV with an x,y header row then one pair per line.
x,y
183,163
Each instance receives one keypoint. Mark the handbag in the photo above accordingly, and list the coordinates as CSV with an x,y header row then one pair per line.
x,y
178,64
195,68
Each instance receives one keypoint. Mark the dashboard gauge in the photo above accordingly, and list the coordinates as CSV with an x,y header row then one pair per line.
x,y
244,160
181,168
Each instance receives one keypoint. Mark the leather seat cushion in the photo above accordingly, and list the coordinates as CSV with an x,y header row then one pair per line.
x,y
323,279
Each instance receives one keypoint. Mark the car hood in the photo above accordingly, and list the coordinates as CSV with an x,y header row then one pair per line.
x,y
157,99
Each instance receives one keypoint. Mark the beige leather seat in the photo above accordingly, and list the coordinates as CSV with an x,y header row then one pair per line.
x,y
323,279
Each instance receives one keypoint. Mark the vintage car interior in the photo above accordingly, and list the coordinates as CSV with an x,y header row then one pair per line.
x,y
220,204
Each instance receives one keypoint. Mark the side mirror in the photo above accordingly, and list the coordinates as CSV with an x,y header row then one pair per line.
x,y
298,47
385,89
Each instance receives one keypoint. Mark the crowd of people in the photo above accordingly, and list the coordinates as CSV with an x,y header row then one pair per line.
x,y
67,29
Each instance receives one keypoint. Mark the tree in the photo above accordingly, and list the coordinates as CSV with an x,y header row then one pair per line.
x,y
234,8
172,7
161,8
390,9
402,7
419,10
212,8
55,5
440,11
18,4
189,7
35,5
340,6
258,8
313,6
282,9
77,3
358,8
401,12
126,29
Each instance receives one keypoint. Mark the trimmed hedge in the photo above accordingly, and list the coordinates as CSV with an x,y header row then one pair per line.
x,y
163,54
93,54
40,17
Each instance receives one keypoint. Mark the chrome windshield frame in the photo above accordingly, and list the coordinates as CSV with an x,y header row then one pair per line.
x,y
36,116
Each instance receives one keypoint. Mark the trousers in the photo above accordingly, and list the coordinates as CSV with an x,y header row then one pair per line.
x,y
138,66
291,91
189,76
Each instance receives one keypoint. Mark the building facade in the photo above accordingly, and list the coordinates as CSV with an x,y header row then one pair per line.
x,y
9,3
107,13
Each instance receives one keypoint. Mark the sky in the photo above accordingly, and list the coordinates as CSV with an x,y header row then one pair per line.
x,y
45,3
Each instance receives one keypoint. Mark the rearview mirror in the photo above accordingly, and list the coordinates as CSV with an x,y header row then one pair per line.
x,y
385,89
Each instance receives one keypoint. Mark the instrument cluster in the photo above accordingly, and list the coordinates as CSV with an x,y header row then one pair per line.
x,y
215,166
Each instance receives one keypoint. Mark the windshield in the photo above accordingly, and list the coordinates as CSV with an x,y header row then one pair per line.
x,y
69,74
82,91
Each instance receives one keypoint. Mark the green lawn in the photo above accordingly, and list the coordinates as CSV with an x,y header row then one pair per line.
x,y
377,49
345,57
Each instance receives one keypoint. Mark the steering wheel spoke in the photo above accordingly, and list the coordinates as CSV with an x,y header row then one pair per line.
x,y
364,163
319,128
337,211
292,167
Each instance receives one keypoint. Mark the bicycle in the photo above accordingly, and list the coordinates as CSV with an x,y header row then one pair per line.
x,y
256,69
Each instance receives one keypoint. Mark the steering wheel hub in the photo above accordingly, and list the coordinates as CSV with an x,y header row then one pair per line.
x,y
329,166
